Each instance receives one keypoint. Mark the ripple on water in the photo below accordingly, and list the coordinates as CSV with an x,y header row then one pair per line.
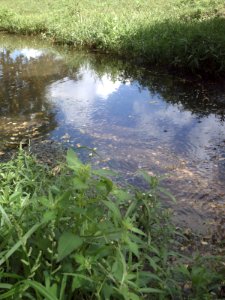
x,y
135,119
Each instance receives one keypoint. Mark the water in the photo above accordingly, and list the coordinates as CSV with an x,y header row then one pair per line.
x,y
137,119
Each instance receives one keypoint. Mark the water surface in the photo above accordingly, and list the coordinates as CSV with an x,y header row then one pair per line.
x,y
137,119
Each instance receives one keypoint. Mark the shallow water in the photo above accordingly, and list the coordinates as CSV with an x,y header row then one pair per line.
x,y
136,119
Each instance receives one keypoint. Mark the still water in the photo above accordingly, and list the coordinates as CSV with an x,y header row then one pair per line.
x,y
137,119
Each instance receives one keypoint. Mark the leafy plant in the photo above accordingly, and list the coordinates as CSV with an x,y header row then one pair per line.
x,y
77,234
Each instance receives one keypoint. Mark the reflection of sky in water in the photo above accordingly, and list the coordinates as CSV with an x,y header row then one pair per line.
x,y
27,53
81,101
130,125
103,105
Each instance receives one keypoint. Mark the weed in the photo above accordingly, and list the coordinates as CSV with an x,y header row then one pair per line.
x,y
77,234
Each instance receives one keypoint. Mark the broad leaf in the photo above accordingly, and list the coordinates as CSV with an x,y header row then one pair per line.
x,y
113,208
49,216
72,160
79,184
68,242
41,289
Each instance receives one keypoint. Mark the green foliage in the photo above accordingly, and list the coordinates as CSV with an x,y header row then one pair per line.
x,y
70,233
175,33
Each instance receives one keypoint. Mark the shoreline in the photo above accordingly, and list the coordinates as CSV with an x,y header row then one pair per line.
x,y
184,39
51,154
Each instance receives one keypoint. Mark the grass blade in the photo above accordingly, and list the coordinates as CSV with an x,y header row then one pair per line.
x,y
19,243
41,289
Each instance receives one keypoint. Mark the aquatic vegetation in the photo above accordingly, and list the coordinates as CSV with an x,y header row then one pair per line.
x,y
179,34
70,232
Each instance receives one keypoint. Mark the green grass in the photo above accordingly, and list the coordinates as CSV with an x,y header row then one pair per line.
x,y
187,35
71,233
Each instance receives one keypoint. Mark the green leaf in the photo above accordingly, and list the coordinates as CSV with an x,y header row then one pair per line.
x,y
16,195
131,208
148,178
153,264
133,296
10,275
5,216
121,195
80,276
105,185
6,286
63,287
68,242
49,216
107,291
138,231
41,289
149,276
79,184
108,184
151,291
19,243
72,160
117,270
76,283
9,294
113,208
154,250
45,202
64,198
133,247
167,193
184,270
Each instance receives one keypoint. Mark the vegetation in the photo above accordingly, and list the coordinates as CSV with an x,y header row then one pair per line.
x,y
198,96
183,34
71,233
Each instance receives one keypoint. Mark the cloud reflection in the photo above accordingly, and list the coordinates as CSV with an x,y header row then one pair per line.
x,y
132,111
78,99
27,53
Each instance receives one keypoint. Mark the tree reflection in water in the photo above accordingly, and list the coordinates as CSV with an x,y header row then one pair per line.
x,y
24,110
134,116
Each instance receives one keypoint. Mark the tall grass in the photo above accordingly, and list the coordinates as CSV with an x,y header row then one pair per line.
x,y
176,33
71,233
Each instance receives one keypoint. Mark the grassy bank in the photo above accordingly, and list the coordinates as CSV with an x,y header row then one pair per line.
x,y
71,233
176,33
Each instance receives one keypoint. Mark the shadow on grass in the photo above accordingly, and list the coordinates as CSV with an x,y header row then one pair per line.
x,y
197,45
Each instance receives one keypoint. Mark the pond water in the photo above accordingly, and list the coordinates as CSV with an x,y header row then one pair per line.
x,y
137,119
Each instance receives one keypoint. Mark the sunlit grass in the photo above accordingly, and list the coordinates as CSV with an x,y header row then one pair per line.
x,y
174,33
